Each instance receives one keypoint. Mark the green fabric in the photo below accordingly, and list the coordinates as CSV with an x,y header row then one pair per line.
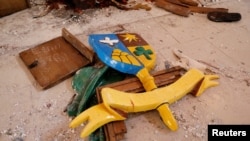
x,y
84,83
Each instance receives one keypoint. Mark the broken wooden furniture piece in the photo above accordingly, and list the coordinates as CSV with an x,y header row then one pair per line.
x,y
57,59
186,7
158,99
115,131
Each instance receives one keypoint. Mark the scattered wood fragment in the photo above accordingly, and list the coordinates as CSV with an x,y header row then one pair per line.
x,y
174,8
141,6
185,7
205,10
187,62
208,64
189,2
44,12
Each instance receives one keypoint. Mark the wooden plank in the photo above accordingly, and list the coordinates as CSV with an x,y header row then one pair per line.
x,y
78,44
8,7
119,130
115,131
53,61
192,7
174,8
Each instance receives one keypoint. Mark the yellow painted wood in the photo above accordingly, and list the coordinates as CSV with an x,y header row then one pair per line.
x,y
158,99
96,116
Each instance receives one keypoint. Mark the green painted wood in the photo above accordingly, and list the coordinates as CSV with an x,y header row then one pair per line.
x,y
85,82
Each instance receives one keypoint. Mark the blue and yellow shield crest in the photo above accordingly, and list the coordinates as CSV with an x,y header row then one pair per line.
x,y
127,52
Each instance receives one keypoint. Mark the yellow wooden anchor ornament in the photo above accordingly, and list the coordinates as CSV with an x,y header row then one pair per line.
x,y
129,53
157,99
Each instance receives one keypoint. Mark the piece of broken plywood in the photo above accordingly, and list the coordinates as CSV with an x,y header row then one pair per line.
x,y
53,61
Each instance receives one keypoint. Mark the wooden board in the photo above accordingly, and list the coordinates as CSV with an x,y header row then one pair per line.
x,y
115,131
8,7
53,61
78,45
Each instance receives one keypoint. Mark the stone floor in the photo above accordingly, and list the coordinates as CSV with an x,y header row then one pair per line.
x,y
223,47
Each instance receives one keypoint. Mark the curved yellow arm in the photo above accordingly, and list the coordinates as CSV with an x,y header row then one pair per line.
x,y
138,102
96,116
158,99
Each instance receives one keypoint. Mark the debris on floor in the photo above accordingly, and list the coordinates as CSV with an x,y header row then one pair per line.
x,y
186,7
187,62
76,10
79,6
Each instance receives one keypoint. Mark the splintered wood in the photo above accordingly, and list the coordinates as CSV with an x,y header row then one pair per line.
x,y
115,131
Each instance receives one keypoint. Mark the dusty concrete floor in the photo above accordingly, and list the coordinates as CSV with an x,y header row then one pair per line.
x,y
25,113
